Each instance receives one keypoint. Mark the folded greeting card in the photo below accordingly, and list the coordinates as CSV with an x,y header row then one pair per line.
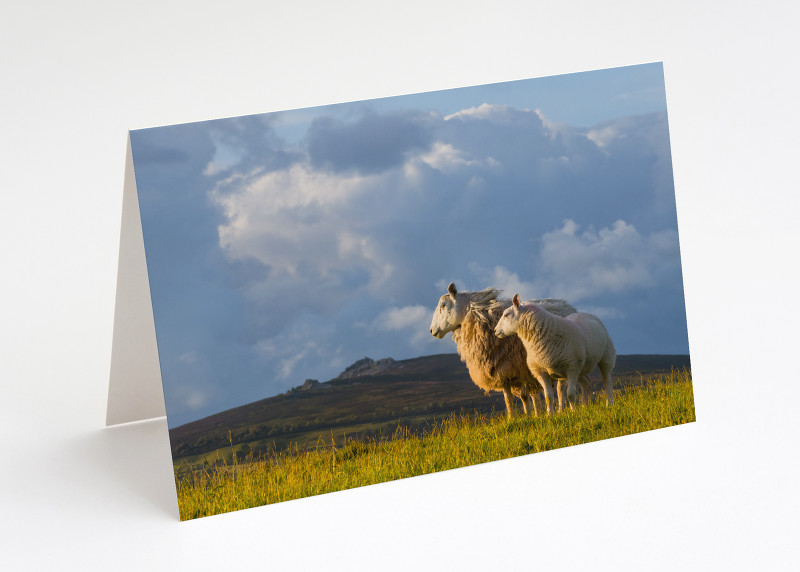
x,y
350,294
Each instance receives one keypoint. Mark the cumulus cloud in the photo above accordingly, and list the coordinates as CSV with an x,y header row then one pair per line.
x,y
580,265
413,321
603,135
298,222
402,318
503,279
508,136
444,157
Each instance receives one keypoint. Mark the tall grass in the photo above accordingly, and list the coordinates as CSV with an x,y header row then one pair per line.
x,y
458,441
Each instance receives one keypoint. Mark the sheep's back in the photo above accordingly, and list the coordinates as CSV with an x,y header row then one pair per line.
x,y
555,306
595,337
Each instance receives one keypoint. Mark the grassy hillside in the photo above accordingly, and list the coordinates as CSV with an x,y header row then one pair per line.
x,y
456,441
414,393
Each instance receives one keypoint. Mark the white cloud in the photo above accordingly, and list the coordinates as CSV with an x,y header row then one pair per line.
x,y
213,168
583,265
505,280
554,127
363,250
402,318
299,220
602,136
446,158
483,111
413,320
297,186
577,266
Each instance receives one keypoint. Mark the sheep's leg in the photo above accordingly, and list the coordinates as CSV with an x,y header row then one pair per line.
x,y
605,370
547,387
523,395
560,386
509,400
572,389
586,388
535,402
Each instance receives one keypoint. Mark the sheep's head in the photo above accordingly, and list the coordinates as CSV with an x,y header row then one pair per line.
x,y
450,312
507,325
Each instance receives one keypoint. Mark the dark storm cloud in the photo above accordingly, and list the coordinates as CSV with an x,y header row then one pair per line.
x,y
253,142
371,144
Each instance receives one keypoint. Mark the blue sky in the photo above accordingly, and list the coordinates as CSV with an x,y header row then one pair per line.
x,y
287,245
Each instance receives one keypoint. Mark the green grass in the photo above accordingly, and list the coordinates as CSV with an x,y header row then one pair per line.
x,y
457,441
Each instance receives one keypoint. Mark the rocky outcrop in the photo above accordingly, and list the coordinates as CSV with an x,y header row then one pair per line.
x,y
365,366
308,384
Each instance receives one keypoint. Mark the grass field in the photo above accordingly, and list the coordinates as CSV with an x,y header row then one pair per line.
x,y
457,441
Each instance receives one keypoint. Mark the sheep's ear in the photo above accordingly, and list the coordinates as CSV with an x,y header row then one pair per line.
x,y
452,290
515,301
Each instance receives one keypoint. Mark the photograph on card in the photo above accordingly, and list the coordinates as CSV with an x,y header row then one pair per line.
x,y
356,293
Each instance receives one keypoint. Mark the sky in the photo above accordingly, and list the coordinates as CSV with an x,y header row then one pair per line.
x,y
287,245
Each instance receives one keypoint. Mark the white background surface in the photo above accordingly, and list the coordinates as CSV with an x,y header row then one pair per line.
x,y
75,77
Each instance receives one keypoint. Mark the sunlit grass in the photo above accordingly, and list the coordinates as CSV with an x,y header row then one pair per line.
x,y
458,441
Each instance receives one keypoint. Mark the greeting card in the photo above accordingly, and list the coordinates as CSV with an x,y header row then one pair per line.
x,y
349,294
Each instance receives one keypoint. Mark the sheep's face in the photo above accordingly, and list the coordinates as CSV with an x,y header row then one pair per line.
x,y
449,313
507,325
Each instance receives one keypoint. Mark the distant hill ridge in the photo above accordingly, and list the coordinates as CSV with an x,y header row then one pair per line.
x,y
369,398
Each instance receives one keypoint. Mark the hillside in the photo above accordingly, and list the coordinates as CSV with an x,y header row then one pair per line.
x,y
370,398
457,441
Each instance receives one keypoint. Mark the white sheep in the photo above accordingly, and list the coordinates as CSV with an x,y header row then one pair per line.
x,y
494,364
560,347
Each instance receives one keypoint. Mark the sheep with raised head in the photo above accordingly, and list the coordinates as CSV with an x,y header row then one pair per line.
x,y
494,364
560,347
